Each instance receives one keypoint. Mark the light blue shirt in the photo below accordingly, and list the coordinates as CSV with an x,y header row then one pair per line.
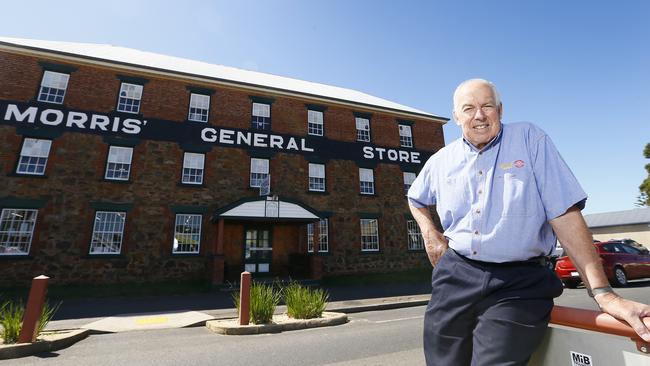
x,y
494,204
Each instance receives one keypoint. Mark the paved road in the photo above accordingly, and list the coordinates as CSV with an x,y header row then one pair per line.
x,y
390,337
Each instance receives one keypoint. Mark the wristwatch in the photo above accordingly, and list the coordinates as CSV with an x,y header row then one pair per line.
x,y
599,290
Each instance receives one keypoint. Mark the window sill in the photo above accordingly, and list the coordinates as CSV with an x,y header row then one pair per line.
x,y
116,181
371,252
104,256
21,257
324,193
186,255
23,175
190,185
368,195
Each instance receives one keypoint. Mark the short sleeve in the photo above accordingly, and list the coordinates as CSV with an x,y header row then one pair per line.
x,y
558,187
422,192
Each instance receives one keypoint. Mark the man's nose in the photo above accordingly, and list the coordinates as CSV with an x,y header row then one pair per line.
x,y
479,114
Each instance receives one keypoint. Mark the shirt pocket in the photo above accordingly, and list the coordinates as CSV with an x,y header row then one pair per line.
x,y
518,195
454,195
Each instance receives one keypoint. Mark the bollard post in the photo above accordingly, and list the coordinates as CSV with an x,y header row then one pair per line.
x,y
34,308
244,298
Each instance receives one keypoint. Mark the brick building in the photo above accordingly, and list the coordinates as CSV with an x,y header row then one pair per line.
x,y
121,166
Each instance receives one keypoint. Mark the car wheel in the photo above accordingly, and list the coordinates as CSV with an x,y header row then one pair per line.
x,y
571,284
620,278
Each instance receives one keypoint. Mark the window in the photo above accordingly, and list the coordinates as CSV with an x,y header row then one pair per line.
x,y
416,242
369,235
315,123
187,234
199,107
130,95
367,181
108,231
405,136
33,156
53,87
259,172
323,238
317,177
363,129
261,116
16,231
408,181
119,163
193,168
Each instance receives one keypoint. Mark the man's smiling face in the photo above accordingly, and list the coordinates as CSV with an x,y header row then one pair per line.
x,y
478,112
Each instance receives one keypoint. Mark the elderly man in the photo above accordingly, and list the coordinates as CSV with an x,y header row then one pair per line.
x,y
502,193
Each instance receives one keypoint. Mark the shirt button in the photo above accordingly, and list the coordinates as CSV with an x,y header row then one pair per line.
x,y
476,232
478,211
474,252
480,172
480,191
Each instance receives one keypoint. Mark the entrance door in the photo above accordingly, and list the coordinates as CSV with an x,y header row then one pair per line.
x,y
257,250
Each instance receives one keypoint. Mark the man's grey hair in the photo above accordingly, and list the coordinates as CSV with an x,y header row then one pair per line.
x,y
497,99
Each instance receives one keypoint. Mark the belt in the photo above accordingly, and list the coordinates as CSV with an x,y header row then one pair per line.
x,y
541,261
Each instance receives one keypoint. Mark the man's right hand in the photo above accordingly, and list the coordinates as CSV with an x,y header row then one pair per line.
x,y
435,244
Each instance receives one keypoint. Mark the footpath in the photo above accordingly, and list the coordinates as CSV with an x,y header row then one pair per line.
x,y
117,314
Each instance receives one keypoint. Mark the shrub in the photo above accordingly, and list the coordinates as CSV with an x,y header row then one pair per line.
x,y
11,319
304,302
264,299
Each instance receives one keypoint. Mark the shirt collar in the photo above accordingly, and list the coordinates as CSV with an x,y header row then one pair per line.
x,y
492,142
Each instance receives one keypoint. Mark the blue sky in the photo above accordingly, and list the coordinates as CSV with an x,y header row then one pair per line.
x,y
578,69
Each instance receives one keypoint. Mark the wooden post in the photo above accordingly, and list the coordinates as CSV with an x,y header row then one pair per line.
x,y
244,298
35,303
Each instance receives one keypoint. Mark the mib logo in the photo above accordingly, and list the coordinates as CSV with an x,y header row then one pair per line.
x,y
578,359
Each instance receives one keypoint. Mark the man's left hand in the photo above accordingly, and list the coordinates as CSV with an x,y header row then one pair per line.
x,y
631,312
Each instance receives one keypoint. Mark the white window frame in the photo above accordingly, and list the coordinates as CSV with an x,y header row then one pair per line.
x,y
366,181
193,168
317,177
129,98
409,178
369,241
323,237
315,122
53,87
259,172
363,129
107,239
199,110
17,231
184,240
415,240
261,116
116,159
34,153
405,136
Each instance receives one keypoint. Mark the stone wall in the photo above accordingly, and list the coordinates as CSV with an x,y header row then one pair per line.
x,y
74,181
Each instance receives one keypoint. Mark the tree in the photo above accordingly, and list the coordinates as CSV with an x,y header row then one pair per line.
x,y
644,196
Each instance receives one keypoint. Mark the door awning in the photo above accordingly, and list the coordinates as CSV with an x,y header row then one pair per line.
x,y
267,209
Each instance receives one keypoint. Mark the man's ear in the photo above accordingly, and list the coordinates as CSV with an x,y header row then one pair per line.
x,y
455,117
500,111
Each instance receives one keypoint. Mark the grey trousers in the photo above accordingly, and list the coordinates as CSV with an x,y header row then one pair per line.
x,y
483,314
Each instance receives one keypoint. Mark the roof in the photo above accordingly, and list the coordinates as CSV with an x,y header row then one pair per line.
x,y
616,218
149,60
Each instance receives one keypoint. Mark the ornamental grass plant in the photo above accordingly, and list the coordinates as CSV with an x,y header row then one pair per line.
x,y
305,302
264,300
11,319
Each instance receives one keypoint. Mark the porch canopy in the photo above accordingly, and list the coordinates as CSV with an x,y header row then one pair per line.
x,y
267,209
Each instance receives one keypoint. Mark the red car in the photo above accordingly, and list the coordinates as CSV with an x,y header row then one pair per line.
x,y
623,260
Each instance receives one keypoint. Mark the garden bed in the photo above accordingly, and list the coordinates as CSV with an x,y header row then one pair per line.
x,y
47,341
281,322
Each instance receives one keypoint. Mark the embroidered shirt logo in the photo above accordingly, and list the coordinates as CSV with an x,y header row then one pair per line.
x,y
519,163
505,166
